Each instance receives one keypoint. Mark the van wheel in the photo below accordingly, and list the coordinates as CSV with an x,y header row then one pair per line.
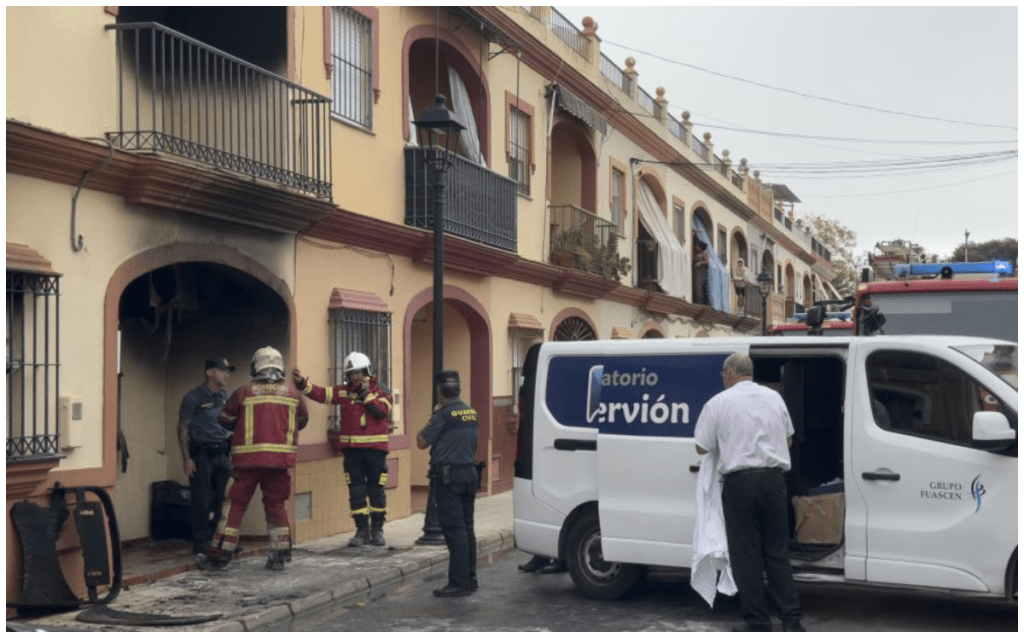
x,y
595,577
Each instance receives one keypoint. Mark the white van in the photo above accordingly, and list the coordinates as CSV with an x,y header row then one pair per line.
x,y
917,434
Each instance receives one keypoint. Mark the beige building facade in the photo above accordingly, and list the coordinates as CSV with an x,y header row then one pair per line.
x,y
179,190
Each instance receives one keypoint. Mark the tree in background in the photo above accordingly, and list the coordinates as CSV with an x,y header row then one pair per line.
x,y
1004,249
841,242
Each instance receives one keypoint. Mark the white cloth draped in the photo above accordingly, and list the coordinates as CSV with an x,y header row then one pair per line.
x,y
469,141
709,566
671,260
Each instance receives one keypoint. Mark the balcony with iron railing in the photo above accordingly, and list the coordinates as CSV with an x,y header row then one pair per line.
x,y
582,240
479,204
179,96
569,34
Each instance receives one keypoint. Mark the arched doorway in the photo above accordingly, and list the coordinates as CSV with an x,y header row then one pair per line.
x,y
575,327
168,311
467,348
791,291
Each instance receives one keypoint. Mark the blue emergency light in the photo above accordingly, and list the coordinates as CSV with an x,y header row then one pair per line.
x,y
998,268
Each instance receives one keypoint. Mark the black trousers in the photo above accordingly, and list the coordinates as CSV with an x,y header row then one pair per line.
x,y
757,528
455,503
207,484
364,468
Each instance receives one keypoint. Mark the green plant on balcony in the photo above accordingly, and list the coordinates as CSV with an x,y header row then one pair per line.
x,y
567,249
607,262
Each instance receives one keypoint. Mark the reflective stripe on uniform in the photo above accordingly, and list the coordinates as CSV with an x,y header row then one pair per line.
x,y
362,510
384,478
361,438
251,402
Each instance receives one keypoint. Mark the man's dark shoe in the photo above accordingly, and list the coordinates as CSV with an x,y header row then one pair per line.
x,y
752,627
474,585
212,563
450,591
553,567
793,626
535,563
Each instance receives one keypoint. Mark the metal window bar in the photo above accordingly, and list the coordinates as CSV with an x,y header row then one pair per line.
x,y
519,150
33,365
362,331
612,71
568,33
645,100
177,95
352,79
480,205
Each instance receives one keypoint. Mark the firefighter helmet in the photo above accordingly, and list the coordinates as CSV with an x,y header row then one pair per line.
x,y
266,358
358,361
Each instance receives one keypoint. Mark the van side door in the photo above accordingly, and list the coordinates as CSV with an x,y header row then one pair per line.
x,y
940,511
645,409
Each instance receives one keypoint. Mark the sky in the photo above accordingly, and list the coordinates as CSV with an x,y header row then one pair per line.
x,y
899,123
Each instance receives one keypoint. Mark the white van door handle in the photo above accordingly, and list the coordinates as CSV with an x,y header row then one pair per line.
x,y
695,468
881,474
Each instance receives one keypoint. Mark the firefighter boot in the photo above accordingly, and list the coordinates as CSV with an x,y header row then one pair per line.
x,y
362,536
377,529
275,560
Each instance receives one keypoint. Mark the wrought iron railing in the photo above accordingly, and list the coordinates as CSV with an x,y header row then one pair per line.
x,y
33,365
612,71
702,150
645,100
568,33
479,204
737,179
647,263
580,239
676,128
177,95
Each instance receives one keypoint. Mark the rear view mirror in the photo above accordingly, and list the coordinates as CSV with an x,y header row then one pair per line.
x,y
992,428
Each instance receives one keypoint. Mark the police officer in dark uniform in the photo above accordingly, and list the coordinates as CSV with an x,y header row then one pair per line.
x,y
205,451
451,435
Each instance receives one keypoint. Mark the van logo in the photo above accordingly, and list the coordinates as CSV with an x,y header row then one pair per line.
x,y
594,392
977,491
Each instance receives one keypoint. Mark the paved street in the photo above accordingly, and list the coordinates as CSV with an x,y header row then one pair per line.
x,y
511,601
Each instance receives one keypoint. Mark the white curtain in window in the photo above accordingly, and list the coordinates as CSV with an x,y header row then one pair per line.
x,y
469,141
671,259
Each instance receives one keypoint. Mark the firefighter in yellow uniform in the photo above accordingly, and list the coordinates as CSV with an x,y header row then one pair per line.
x,y
265,417
362,437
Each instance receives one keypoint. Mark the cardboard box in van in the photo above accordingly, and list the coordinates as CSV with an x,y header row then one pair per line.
x,y
819,519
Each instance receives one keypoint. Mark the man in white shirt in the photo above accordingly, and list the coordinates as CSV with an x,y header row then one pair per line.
x,y
751,429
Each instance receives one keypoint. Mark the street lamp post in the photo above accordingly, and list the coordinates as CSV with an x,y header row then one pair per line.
x,y
438,133
764,283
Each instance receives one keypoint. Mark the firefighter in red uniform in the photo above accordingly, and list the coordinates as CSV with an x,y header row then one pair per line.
x,y
265,417
362,437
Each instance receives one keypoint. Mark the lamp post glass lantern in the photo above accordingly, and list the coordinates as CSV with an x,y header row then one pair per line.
x,y
438,134
764,283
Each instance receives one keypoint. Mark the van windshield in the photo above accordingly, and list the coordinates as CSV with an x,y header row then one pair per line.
x,y
990,314
1000,359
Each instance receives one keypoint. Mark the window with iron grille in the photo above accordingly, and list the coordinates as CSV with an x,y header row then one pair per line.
x,y
33,365
352,77
362,331
521,339
519,149
723,245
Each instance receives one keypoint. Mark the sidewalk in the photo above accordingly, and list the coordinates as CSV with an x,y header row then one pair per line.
x,y
322,573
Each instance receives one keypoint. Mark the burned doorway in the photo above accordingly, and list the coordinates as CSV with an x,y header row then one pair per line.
x,y
170,320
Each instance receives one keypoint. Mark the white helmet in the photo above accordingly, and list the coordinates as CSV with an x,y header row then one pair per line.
x,y
358,361
266,358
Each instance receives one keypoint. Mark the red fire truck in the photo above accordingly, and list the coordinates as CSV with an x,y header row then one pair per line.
x,y
941,299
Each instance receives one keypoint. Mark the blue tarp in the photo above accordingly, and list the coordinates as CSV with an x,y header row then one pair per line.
x,y
718,274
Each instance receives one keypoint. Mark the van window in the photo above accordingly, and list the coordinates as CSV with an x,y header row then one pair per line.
x,y
921,395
